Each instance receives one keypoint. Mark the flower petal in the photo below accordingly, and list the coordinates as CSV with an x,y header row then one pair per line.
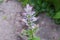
x,y
28,8
24,20
34,18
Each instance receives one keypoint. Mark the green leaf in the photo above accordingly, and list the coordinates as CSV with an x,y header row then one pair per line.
x,y
57,16
36,38
29,32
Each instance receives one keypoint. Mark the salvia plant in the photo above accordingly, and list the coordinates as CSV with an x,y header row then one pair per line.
x,y
29,19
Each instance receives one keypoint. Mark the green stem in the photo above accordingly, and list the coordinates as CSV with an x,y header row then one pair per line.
x,y
29,23
32,34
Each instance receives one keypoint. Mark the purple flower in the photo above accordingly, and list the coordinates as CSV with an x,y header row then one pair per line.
x,y
28,10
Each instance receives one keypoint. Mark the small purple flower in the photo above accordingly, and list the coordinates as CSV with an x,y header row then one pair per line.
x,y
34,19
28,10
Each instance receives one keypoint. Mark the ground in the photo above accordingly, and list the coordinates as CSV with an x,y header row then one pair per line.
x,y
48,29
8,13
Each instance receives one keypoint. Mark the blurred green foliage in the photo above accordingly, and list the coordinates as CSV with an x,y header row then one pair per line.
x,y
1,1
51,7
56,4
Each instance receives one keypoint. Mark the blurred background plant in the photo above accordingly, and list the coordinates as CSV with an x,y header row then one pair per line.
x,y
51,7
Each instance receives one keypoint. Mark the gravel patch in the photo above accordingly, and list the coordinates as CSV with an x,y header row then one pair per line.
x,y
8,11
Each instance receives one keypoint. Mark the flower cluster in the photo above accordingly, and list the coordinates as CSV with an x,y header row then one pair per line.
x,y
29,16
